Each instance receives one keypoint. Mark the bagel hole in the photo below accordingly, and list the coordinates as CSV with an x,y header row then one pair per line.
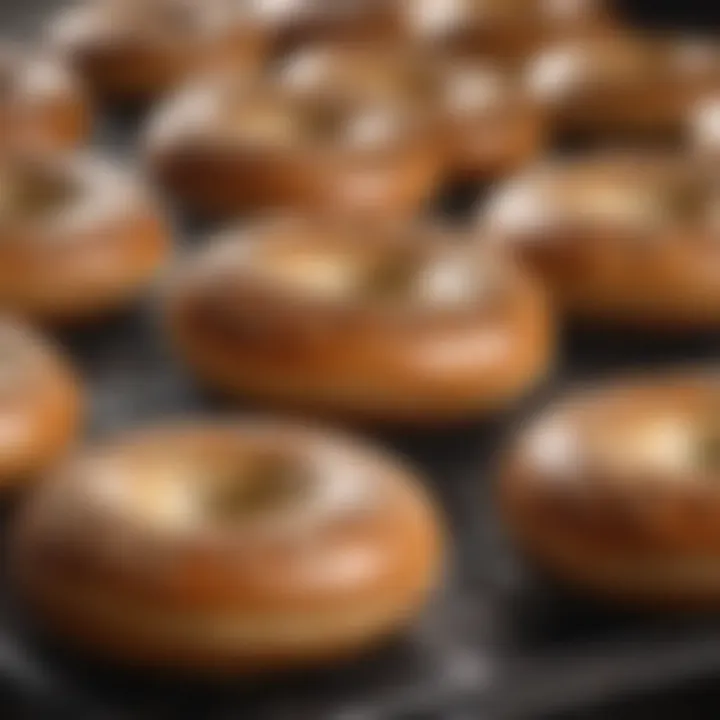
x,y
378,73
690,203
710,452
325,120
426,280
30,192
394,276
262,121
269,482
351,126
391,279
709,444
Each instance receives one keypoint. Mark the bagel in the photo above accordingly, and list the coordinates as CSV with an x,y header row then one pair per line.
x,y
42,103
623,86
227,145
78,236
133,51
40,404
489,124
619,238
407,325
613,490
222,549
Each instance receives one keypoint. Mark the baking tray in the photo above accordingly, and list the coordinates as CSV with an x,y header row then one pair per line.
x,y
496,642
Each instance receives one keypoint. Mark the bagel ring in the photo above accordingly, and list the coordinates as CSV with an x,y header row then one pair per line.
x,y
40,404
489,124
619,238
78,237
224,146
246,547
614,490
623,86
366,323
133,51
42,103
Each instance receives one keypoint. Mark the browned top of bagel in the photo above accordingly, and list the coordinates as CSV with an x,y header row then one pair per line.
x,y
507,27
618,197
235,516
76,233
458,86
64,197
624,69
349,273
162,23
628,238
242,115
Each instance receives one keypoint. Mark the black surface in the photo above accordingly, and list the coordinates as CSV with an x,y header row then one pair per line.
x,y
496,643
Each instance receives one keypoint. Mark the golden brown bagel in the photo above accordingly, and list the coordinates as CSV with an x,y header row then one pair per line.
x,y
488,123
621,238
40,404
42,104
504,29
78,237
135,50
224,146
615,490
233,548
624,85
412,325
